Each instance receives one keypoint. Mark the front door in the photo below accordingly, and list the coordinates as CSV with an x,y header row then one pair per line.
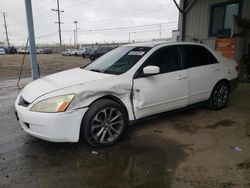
x,y
165,91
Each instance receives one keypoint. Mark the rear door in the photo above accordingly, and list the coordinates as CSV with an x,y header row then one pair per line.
x,y
203,71
165,91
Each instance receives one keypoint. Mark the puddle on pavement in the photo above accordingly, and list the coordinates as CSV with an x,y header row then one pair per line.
x,y
183,126
176,120
142,161
244,165
222,123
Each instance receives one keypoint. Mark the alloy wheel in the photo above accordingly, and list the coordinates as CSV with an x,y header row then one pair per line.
x,y
220,96
107,125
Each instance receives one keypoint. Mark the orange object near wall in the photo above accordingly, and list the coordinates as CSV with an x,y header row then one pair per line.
x,y
227,46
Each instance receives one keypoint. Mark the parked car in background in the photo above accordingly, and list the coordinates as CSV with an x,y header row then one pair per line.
x,y
11,50
98,52
73,52
2,51
97,102
79,52
39,51
47,50
66,52
70,52
86,52
23,51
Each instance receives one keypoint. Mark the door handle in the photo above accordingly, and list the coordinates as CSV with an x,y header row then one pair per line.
x,y
215,69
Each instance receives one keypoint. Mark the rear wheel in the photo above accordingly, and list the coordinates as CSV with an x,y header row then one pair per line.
x,y
219,96
104,123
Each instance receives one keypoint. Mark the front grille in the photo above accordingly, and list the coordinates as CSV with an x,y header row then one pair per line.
x,y
23,102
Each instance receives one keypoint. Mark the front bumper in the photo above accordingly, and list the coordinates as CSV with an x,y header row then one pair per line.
x,y
54,127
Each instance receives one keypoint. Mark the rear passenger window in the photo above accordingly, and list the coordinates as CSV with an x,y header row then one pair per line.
x,y
197,56
166,58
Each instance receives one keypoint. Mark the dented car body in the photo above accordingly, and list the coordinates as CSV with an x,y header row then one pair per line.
x,y
57,107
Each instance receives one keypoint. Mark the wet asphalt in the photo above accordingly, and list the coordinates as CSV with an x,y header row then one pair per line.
x,y
181,150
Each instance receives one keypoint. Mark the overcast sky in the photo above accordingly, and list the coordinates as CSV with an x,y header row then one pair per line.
x,y
98,20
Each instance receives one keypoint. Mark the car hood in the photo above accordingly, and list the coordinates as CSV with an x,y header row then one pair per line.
x,y
58,81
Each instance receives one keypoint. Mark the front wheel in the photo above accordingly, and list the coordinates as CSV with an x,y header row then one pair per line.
x,y
104,123
219,96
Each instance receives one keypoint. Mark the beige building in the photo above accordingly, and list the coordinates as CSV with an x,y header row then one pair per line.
x,y
208,20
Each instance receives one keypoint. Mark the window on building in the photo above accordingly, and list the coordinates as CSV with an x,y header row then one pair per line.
x,y
221,16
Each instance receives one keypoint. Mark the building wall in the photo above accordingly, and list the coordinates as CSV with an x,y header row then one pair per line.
x,y
197,21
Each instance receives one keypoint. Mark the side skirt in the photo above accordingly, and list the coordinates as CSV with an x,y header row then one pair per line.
x,y
168,112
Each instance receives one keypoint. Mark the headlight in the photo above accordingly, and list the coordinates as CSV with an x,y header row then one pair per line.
x,y
54,104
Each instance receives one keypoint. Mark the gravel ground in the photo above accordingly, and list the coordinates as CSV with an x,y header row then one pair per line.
x,y
48,63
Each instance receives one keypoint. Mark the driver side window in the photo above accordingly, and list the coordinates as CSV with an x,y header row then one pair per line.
x,y
166,58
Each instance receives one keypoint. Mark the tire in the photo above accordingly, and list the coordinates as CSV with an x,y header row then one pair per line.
x,y
219,96
96,126
92,58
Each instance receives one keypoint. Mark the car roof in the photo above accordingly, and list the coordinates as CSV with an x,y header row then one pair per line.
x,y
156,43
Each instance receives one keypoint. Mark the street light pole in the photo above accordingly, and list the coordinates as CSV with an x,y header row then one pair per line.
x,y
74,37
76,41
32,43
6,30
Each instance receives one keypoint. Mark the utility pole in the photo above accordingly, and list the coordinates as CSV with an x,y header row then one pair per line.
x,y
6,30
32,43
59,21
76,22
160,32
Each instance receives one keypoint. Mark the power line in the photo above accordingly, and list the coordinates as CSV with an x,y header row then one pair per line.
x,y
86,5
59,21
157,9
46,35
128,27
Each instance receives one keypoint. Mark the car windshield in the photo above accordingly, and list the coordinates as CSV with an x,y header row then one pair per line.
x,y
118,61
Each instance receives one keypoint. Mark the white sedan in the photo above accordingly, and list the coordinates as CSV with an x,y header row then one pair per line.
x,y
70,52
98,101
2,51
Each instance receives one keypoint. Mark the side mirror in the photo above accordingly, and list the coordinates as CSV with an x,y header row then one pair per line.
x,y
151,70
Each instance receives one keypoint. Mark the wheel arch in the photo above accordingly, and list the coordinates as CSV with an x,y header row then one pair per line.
x,y
226,81
115,99
221,80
